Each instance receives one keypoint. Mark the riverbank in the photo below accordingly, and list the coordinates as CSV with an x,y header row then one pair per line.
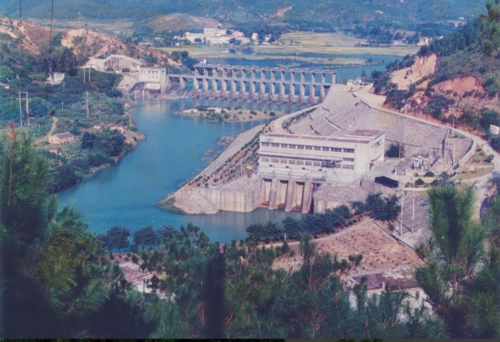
x,y
95,143
230,114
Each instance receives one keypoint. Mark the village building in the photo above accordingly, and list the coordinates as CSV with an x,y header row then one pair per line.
x,y
55,78
115,62
61,138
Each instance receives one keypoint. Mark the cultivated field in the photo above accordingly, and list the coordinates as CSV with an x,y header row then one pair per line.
x,y
380,251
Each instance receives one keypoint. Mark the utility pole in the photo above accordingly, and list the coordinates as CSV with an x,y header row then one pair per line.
x,y
399,165
21,106
402,207
28,108
413,213
20,109
87,100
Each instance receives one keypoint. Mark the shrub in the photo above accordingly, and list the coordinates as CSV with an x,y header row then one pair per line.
x,y
429,174
419,182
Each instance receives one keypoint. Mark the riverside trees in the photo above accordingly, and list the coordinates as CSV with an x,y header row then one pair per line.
x,y
54,278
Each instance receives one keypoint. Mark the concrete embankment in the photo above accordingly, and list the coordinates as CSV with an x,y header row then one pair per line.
x,y
239,195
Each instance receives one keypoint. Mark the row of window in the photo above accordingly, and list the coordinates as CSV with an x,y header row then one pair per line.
x,y
308,147
306,162
154,72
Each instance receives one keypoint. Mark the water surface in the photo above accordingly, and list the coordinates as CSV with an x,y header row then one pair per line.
x,y
172,153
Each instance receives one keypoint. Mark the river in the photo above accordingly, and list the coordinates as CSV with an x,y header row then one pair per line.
x,y
172,153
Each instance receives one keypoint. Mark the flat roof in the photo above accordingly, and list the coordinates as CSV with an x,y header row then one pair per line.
x,y
64,135
346,138
365,133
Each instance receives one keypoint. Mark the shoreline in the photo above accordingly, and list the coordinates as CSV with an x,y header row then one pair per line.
x,y
231,114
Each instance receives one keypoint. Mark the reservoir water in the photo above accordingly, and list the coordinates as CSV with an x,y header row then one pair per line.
x,y
172,153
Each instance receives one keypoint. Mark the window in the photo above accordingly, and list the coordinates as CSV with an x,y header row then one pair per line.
x,y
348,150
336,149
348,159
309,147
325,148
283,161
317,163
275,160
308,163
337,166
317,148
275,145
300,162
291,146
264,159
284,145
264,144
291,161
300,147
351,167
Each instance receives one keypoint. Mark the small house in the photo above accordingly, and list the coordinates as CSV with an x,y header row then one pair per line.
x,y
61,138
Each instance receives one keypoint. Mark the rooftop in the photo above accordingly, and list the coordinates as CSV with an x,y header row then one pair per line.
x,y
351,137
65,135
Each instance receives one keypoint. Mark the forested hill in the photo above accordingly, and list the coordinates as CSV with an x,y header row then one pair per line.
x,y
455,79
341,12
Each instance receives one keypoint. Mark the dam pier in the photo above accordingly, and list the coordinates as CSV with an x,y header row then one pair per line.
x,y
240,83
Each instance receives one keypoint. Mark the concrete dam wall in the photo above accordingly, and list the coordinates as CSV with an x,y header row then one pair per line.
x,y
246,195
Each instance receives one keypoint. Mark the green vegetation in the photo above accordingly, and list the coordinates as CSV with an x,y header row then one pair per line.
x,y
466,298
59,280
303,15
395,150
384,209
473,50
93,148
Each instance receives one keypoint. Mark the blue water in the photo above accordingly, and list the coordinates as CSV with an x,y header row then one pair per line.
x,y
343,73
172,153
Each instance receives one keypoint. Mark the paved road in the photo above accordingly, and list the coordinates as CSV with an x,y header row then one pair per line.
x,y
277,125
376,101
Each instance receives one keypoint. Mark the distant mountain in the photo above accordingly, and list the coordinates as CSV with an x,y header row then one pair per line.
x,y
337,12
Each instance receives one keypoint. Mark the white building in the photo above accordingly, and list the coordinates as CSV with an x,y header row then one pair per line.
x,y
154,78
320,157
115,62
213,32
55,78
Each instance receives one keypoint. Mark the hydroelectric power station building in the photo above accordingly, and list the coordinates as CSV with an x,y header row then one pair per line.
x,y
319,157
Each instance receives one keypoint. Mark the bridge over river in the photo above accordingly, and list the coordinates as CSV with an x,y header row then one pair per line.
x,y
253,84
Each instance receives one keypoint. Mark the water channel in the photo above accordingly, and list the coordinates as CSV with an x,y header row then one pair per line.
x,y
172,153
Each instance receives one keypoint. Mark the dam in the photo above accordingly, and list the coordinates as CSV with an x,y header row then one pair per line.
x,y
280,85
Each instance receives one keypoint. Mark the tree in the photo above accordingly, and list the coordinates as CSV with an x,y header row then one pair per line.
x,y
117,237
49,270
456,247
6,74
490,27
145,236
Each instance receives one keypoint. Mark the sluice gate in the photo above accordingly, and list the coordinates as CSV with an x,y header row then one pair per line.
x,y
255,84
292,195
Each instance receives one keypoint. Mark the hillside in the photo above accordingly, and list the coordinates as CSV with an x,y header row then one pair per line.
x,y
327,12
179,21
455,80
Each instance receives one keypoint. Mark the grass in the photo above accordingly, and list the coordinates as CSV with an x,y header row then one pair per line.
x,y
301,42
474,174
114,27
